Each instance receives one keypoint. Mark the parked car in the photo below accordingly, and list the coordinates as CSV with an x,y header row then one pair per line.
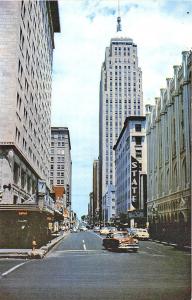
x,y
142,234
120,240
104,230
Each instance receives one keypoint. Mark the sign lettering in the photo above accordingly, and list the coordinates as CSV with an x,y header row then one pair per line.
x,y
135,168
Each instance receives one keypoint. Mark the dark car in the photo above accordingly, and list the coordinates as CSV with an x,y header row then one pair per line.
x,y
120,240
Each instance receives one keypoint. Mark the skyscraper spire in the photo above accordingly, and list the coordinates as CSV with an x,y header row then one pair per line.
x,y
119,19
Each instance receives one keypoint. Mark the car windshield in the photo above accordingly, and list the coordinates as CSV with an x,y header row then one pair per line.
x,y
120,235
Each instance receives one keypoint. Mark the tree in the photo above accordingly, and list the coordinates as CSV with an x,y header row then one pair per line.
x,y
83,218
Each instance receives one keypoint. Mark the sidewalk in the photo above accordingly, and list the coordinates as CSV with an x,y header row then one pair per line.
x,y
185,247
29,253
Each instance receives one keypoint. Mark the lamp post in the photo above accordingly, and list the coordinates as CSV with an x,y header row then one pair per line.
x,y
155,214
104,213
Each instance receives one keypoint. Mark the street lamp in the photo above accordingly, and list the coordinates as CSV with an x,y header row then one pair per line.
x,y
155,215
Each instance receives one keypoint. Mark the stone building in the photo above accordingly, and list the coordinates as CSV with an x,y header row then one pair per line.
x,y
90,208
130,168
96,191
61,163
120,96
26,53
169,157
108,205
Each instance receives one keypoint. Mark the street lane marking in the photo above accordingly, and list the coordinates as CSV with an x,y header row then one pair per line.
x,y
84,246
12,269
97,235
76,250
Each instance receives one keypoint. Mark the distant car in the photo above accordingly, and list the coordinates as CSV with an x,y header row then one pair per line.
x,y
74,230
83,228
112,229
96,229
120,240
142,234
131,231
104,230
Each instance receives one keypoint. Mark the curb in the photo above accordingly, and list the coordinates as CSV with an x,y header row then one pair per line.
x,y
184,248
33,254
40,253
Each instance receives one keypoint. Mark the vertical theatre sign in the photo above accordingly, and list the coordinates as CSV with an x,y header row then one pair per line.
x,y
41,193
135,168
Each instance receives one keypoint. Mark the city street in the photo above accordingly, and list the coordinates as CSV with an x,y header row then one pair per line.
x,y
79,268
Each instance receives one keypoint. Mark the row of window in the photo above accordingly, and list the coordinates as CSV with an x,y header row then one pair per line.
x,y
59,181
59,174
59,144
59,159
59,167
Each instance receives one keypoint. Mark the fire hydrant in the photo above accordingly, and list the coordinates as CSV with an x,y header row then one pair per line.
x,y
34,244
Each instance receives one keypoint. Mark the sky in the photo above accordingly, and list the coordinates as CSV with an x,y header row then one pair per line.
x,y
160,28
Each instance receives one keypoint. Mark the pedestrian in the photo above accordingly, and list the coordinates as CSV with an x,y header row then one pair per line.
x,y
34,244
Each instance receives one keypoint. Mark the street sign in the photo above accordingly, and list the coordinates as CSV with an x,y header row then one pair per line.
x,y
136,214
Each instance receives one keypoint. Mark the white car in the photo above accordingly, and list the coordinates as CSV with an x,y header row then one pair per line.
x,y
96,229
83,228
142,234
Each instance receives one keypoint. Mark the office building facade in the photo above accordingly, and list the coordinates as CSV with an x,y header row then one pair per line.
x,y
109,205
95,191
61,163
169,157
131,165
26,52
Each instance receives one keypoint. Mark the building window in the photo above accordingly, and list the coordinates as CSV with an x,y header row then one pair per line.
x,y
138,140
138,153
137,127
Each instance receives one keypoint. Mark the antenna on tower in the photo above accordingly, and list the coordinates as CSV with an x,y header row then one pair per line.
x,y
118,18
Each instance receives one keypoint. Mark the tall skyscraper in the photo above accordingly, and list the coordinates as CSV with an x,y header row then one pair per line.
x,y
61,164
120,96
26,53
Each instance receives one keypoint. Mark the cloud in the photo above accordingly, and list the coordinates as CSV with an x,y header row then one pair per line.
x,y
161,30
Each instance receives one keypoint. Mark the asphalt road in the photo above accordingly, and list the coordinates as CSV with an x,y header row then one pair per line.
x,y
79,268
